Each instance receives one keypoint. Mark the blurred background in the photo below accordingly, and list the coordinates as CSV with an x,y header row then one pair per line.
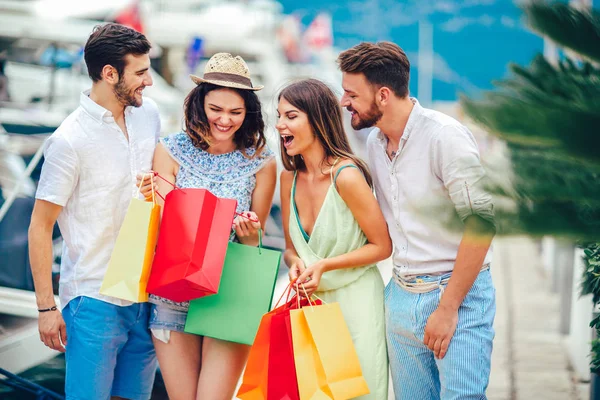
x,y
522,76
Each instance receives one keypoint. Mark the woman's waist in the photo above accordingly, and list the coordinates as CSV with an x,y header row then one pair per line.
x,y
180,306
332,280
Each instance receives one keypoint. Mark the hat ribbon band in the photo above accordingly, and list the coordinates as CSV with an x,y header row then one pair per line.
x,y
224,76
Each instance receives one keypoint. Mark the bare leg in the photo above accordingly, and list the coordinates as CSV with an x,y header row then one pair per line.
x,y
222,366
179,362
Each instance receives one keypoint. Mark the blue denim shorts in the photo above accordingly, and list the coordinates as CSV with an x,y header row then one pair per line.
x,y
109,350
165,317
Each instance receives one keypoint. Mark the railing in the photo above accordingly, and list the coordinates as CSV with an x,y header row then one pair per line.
x,y
26,174
16,382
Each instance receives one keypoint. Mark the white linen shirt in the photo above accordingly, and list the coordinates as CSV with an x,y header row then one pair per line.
x,y
435,175
90,169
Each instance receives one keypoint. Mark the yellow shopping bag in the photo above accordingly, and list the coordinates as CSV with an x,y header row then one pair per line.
x,y
129,266
327,366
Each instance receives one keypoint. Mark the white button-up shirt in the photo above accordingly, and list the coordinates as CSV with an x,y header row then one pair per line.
x,y
435,177
90,169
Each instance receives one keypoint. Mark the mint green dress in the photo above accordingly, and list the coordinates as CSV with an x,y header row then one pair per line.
x,y
359,291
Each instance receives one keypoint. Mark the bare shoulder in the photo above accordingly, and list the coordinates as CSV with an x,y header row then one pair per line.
x,y
286,177
269,169
346,172
162,154
349,178
163,161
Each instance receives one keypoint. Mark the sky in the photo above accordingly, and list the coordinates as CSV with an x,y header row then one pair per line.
x,y
473,40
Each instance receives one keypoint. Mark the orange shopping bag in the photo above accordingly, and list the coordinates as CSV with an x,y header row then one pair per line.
x,y
327,366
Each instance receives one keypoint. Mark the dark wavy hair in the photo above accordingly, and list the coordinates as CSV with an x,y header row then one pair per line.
x,y
109,44
322,107
250,134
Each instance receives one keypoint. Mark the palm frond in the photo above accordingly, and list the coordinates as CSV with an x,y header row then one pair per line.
x,y
578,30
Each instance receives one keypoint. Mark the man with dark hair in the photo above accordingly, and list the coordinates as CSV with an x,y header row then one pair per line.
x,y
88,179
440,304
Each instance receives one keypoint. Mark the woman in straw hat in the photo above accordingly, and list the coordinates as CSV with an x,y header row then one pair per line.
x,y
223,149
334,229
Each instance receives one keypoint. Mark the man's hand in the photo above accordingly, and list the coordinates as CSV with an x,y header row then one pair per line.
x,y
440,329
53,331
147,181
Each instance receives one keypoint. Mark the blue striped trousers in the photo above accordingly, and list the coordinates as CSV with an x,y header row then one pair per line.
x,y
464,372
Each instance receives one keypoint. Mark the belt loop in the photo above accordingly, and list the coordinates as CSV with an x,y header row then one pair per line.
x,y
440,286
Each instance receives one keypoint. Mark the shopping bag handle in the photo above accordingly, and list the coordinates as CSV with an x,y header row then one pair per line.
x,y
169,182
260,244
176,187
309,297
287,291
140,187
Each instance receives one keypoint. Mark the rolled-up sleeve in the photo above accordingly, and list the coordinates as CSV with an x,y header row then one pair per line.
x,y
457,162
60,171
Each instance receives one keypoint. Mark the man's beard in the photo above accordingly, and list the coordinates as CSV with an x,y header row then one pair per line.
x,y
126,98
367,119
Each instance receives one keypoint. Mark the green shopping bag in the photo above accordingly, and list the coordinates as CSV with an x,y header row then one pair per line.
x,y
244,296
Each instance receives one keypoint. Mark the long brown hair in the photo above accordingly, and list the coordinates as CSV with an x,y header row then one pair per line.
x,y
322,107
250,134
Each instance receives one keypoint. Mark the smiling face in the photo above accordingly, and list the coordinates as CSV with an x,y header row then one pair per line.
x,y
225,111
136,76
295,130
359,100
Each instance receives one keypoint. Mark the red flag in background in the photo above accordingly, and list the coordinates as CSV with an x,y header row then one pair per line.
x,y
130,16
319,33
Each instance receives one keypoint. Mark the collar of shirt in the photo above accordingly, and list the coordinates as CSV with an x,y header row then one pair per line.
x,y
98,112
412,120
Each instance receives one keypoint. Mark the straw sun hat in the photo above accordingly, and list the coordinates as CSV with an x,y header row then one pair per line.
x,y
223,69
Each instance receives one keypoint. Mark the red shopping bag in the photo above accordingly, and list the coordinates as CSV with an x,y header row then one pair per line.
x,y
270,371
192,242
282,382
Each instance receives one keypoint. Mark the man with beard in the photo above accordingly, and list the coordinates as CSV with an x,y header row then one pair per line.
x,y
440,304
88,179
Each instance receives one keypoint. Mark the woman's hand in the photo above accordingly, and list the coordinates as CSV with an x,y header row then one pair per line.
x,y
246,228
297,267
308,281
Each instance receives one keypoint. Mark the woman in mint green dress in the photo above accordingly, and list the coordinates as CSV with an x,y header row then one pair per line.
x,y
334,229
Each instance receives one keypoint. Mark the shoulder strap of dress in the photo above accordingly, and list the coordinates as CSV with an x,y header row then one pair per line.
x,y
341,168
331,170
294,185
